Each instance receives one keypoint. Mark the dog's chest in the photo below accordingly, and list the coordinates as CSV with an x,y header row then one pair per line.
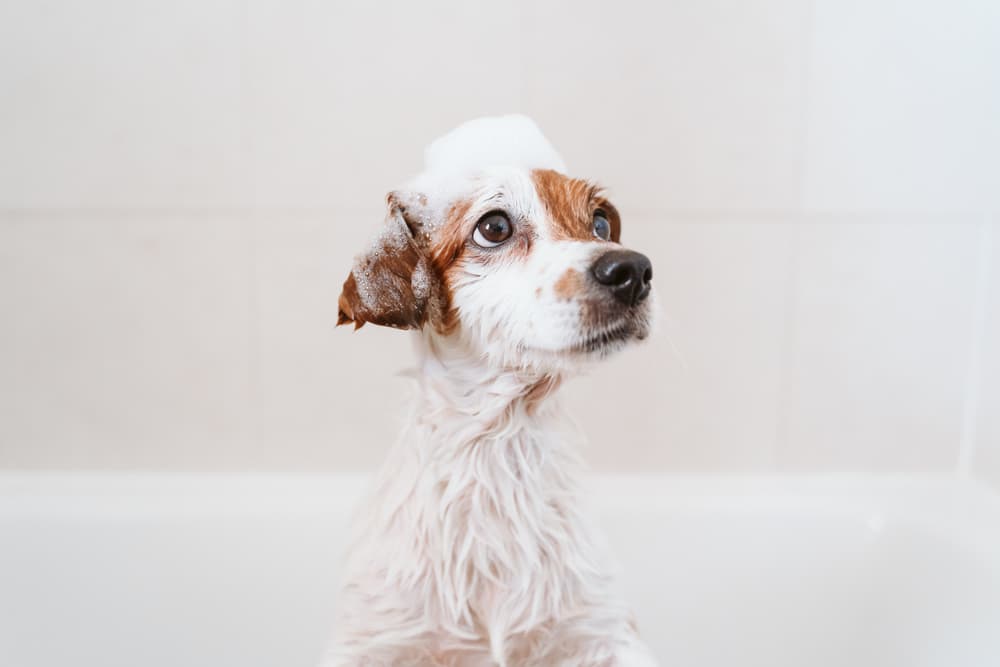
x,y
504,544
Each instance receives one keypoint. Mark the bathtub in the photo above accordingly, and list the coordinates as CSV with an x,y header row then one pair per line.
x,y
241,570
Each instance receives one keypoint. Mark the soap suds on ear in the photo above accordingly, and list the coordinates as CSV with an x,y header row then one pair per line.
x,y
453,162
393,238
420,281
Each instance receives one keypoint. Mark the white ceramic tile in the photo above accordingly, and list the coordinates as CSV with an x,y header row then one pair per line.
x,y
343,96
120,104
125,342
881,331
692,105
987,456
703,394
326,397
904,99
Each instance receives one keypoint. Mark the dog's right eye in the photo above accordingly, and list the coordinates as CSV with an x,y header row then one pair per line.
x,y
492,230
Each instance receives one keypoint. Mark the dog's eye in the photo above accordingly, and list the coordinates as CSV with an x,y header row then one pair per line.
x,y
602,228
492,230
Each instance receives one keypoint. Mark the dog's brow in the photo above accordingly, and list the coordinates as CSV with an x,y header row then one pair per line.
x,y
569,202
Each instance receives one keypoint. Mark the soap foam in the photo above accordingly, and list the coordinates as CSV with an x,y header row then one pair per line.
x,y
454,160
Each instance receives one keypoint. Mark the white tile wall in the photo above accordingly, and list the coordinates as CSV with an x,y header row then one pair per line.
x,y
678,105
882,316
125,341
904,98
182,186
342,96
987,427
122,104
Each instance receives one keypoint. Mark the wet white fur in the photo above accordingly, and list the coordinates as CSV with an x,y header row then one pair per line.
x,y
472,550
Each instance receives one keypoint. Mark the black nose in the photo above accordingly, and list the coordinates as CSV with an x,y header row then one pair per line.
x,y
626,273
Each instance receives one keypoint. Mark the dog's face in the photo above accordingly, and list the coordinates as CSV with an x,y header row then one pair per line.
x,y
522,265
527,268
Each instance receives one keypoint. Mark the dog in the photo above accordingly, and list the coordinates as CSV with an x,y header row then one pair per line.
x,y
472,549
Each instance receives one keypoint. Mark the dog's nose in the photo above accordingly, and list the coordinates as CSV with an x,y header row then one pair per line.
x,y
626,273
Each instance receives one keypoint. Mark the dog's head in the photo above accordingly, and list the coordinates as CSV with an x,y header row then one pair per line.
x,y
494,245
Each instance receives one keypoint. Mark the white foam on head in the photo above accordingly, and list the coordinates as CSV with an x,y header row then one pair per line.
x,y
452,161
498,141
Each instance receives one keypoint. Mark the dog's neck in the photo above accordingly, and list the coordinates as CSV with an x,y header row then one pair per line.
x,y
464,399
481,488
476,428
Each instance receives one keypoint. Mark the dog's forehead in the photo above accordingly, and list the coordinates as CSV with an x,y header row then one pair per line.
x,y
510,189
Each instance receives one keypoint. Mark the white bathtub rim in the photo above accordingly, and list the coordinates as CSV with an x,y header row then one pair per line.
x,y
133,494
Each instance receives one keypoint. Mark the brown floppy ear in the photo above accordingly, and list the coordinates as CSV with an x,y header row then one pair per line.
x,y
390,284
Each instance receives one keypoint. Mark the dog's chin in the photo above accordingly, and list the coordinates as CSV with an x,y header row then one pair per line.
x,y
586,347
611,338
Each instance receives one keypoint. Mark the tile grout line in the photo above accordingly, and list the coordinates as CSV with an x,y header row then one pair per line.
x,y
807,102
786,354
522,88
973,377
253,334
251,427
789,216
789,331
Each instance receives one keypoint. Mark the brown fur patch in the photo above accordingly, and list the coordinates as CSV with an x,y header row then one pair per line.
x,y
445,252
570,284
345,303
390,299
571,203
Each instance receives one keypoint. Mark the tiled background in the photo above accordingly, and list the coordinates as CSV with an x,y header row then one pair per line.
x,y
182,186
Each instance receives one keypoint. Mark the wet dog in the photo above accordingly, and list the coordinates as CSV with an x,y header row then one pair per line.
x,y
472,549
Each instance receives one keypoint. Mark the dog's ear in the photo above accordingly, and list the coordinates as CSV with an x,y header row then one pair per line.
x,y
390,283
